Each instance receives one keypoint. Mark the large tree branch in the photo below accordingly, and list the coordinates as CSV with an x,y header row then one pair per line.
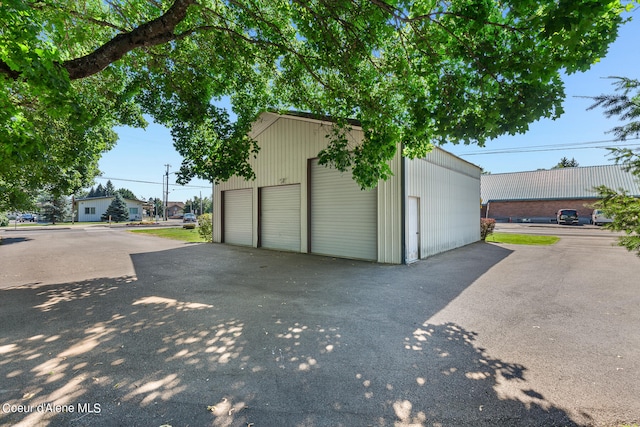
x,y
155,32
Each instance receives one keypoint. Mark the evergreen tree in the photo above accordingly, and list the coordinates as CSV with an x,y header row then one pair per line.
x,y
109,189
99,191
92,192
117,209
55,209
566,163
624,208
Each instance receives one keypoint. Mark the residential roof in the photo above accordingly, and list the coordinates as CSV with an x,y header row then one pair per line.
x,y
107,197
563,183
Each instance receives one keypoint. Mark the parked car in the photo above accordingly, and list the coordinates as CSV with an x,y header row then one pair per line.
x,y
189,221
27,218
598,218
567,216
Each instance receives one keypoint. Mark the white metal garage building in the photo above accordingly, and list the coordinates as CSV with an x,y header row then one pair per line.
x,y
429,206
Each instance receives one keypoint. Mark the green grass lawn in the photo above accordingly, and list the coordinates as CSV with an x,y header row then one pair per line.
x,y
173,233
521,239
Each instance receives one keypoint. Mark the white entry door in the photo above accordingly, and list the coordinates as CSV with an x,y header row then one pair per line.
x,y
413,229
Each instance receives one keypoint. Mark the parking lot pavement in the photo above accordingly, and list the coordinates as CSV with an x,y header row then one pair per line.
x,y
41,256
486,335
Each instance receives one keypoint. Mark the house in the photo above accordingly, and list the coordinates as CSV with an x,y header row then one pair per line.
x,y
175,209
430,205
92,208
536,196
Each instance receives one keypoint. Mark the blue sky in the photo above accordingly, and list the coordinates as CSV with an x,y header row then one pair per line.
x,y
137,162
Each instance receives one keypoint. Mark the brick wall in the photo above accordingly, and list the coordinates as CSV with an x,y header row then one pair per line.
x,y
543,209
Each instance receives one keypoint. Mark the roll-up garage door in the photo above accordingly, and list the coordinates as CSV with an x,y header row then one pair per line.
x,y
238,214
280,217
343,217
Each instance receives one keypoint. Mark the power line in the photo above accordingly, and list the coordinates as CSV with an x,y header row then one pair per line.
x,y
551,147
150,182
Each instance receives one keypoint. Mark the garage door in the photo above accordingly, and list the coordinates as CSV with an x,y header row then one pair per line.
x,y
238,214
280,217
343,218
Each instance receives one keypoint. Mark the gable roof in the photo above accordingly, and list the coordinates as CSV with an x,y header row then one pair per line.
x,y
564,183
267,118
107,197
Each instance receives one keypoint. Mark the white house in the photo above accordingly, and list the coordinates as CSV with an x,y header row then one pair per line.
x,y
92,208
430,205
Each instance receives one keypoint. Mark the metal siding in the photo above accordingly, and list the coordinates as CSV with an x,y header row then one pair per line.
x,y
280,217
390,214
238,228
285,146
449,191
564,183
343,217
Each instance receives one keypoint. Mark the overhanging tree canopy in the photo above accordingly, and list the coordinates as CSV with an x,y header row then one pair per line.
x,y
414,72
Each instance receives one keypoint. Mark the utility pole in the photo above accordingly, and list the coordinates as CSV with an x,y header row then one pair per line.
x,y
166,192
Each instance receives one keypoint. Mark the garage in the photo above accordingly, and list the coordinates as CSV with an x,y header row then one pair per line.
x,y
427,206
238,214
343,217
280,217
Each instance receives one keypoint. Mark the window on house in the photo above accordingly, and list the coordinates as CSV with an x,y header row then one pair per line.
x,y
89,211
133,211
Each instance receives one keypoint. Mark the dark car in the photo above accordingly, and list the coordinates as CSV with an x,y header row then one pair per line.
x,y
567,216
27,218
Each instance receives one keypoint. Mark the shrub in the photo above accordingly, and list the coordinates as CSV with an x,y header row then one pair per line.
x,y
4,220
205,227
486,227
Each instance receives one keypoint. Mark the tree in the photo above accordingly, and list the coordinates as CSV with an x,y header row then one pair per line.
x,y
622,207
413,73
157,206
198,205
566,163
100,191
109,189
55,208
126,193
117,210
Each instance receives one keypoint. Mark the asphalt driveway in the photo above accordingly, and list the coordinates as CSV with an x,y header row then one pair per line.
x,y
150,332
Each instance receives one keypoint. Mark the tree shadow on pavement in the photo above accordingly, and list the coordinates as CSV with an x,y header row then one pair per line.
x,y
12,240
223,336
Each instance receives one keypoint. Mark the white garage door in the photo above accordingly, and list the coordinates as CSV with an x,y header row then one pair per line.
x,y
238,224
343,217
280,217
